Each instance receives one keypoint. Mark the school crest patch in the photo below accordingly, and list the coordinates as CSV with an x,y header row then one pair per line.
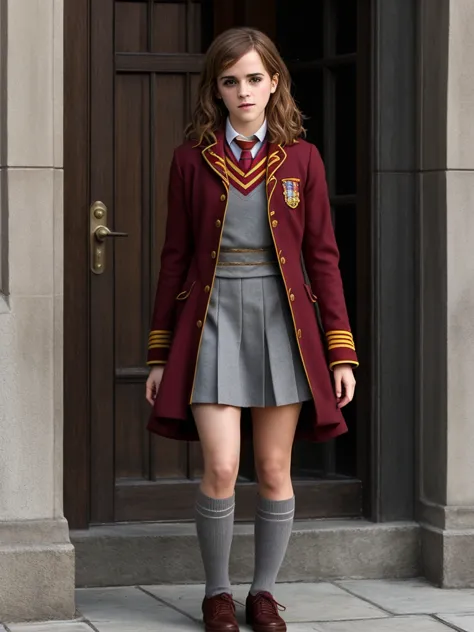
x,y
291,191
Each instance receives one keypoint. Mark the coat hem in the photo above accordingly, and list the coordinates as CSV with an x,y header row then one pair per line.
x,y
185,429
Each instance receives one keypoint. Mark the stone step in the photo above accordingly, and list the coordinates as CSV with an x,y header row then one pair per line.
x,y
126,555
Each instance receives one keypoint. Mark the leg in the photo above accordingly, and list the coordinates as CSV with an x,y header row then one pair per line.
x,y
219,433
273,435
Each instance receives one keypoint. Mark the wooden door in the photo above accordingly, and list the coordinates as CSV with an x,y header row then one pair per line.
x,y
140,74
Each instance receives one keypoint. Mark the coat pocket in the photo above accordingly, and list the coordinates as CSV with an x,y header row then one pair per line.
x,y
312,297
182,296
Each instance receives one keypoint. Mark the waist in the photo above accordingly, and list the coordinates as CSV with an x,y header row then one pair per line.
x,y
247,262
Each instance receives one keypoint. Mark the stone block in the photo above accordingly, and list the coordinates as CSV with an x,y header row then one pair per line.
x,y
30,231
304,602
415,596
460,131
30,83
129,610
464,622
36,571
448,557
169,554
399,624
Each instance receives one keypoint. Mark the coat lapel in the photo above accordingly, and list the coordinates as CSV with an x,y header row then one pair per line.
x,y
214,155
276,157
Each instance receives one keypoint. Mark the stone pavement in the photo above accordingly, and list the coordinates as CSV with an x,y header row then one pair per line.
x,y
342,606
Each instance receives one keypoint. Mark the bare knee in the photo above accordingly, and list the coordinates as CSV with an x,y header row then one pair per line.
x,y
219,478
273,475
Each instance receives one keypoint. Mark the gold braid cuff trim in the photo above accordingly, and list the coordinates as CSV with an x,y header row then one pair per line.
x,y
338,338
333,364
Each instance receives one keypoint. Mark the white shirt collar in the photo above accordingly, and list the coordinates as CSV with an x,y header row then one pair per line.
x,y
231,134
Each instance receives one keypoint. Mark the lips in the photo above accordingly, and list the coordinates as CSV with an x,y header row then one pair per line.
x,y
244,106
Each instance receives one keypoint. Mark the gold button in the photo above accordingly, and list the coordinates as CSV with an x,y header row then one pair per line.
x,y
272,213
283,260
223,198
207,289
199,323
275,223
299,333
292,297
213,254
218,223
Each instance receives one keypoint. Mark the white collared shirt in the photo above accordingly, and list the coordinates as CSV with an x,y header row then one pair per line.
x,y
231,135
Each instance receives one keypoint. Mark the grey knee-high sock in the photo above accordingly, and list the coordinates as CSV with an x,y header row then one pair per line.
x,y
215,527
273,525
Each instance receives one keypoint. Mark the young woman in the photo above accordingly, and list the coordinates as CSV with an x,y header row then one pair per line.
x,y
249,250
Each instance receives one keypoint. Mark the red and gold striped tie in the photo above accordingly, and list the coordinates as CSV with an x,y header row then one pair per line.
x,y
246,155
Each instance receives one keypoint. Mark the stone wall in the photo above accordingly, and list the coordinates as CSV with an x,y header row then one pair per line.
x,y
446,326
36,557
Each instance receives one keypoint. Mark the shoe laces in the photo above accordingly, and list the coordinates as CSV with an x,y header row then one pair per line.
x,y
267,604
223,604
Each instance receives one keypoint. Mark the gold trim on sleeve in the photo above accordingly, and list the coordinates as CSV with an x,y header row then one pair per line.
x,y
333,364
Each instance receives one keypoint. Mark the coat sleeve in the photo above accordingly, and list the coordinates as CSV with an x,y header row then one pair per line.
x,y
321,258
175,260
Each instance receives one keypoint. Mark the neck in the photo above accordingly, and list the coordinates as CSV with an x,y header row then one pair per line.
x,y
247,129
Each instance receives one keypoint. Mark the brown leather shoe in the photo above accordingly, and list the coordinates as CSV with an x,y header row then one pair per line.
x,y
219,614
262,613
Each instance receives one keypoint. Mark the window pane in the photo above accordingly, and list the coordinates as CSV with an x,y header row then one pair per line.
x,y
346,116
346,31
308,92
300,33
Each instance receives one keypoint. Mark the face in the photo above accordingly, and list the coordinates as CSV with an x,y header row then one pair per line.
x,y
246,88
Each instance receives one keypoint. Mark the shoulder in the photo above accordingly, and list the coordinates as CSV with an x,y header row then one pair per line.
x,y
305,154
186,155
303,148
188,149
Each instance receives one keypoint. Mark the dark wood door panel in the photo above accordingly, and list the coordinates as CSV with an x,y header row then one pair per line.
x,y
101,305
76,382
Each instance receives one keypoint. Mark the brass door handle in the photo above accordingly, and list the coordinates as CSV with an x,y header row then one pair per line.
x,y
102,232
99,233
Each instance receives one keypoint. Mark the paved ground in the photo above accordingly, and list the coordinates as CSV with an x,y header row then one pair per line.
x,y
346,606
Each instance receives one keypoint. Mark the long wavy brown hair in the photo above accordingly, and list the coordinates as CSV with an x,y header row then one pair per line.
x,y
285,120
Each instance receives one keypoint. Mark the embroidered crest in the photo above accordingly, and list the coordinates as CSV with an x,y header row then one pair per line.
x,y
291,191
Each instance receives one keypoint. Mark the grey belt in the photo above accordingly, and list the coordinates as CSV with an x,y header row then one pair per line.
x,y
247,262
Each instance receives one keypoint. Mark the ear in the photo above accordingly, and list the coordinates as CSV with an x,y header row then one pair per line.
x,y
275,80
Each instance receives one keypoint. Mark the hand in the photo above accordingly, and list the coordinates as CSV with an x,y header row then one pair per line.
x,y
153,383
344,382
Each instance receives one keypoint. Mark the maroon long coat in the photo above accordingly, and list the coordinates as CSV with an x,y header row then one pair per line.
x,y
300,222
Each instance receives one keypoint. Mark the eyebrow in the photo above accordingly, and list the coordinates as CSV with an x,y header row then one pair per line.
x,y
253,74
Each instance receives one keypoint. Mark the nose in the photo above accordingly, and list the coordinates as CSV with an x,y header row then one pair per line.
x,y
243,90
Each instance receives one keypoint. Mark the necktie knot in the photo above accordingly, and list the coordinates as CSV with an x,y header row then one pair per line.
x,y
246,145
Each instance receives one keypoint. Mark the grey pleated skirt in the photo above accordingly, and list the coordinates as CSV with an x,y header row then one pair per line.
x,y
249,355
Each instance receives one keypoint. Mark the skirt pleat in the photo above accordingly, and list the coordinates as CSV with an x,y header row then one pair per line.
x,y
249,356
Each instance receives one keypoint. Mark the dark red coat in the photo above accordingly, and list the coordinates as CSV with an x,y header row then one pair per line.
x,y
300,223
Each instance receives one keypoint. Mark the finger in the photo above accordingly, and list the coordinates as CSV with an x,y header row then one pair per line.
x,y
150,394
348,393
343,402
351,390
338,385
